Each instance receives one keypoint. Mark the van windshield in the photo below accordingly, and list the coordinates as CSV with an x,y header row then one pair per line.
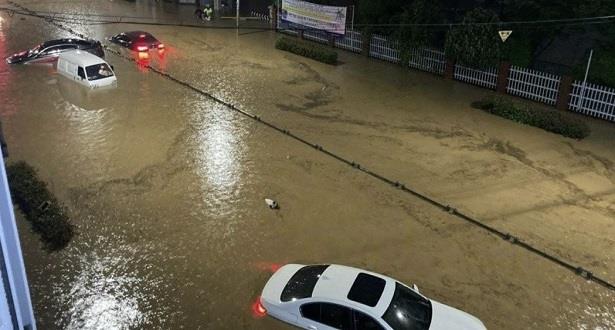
x,y
98,71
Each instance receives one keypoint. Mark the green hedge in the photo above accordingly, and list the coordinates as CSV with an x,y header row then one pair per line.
x,y
310,50
46,215
551,120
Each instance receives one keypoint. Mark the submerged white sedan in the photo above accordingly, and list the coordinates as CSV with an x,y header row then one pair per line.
x,y
340,297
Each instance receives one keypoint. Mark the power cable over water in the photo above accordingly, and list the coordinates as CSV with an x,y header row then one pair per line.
x,y
578,270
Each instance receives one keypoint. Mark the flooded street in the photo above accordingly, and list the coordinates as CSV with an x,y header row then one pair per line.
x,y
166,187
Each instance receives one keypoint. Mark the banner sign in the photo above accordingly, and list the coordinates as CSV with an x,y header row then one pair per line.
x,y
320,17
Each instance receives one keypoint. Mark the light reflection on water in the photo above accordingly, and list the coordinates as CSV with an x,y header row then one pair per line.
x,y
108,291
220,150
582,314
90,125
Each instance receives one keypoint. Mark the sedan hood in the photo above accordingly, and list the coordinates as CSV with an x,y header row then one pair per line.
x,y
18,57
445,317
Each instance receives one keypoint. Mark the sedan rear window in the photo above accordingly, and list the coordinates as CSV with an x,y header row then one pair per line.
x,y
301,285
98,71
408,310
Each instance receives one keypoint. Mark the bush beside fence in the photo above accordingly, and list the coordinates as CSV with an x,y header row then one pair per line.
x,y
46,215
551,120
308,50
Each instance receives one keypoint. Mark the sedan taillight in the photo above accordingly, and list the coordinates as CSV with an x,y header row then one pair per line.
x,y
258,310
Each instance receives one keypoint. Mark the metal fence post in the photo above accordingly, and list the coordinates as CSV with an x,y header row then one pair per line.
x,y
564,94
582,96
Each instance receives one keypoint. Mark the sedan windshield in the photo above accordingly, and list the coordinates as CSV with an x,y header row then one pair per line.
x,y
408,310
98,71
34,50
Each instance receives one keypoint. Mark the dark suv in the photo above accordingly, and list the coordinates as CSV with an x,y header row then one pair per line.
x,y
49,50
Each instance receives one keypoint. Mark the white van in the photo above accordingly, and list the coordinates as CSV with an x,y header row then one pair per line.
x,y
86,69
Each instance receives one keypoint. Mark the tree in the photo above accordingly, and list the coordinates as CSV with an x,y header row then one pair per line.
x,y
475,44
372,12
412,32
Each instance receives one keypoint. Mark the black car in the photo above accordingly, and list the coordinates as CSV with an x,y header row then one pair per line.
x,y
49,50
139,41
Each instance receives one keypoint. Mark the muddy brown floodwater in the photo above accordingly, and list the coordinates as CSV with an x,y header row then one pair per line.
x,y
167,187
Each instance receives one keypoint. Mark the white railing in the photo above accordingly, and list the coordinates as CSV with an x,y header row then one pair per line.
x,y
260,16
352,41
487,79
597,101
316,35
287,27
383,48
533,85
15,304
428,60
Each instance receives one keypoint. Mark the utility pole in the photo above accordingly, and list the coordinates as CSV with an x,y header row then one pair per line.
x,y
582,95
237,16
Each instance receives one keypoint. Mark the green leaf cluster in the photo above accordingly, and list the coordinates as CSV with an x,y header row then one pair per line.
x,y
550,120
474,44
46,215
307,49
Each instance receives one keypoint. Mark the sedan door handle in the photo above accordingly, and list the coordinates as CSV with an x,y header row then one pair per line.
x,y
312,327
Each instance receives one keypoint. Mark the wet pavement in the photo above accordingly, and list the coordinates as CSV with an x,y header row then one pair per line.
x,y
167,187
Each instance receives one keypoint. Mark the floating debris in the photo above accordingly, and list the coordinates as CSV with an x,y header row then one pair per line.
x,y
272,204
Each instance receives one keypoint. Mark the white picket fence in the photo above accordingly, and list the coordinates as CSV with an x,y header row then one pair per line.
x,y
428,60
533,85
287,27
597,101
352,41
316,35
384,48
484,78
260,16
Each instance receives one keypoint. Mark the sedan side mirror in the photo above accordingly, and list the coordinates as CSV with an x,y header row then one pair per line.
x,y
416,288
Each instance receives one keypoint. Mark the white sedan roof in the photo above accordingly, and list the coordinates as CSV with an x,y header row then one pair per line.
x,y
335,284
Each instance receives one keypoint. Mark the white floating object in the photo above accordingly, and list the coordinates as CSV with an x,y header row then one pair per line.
x,y
271,203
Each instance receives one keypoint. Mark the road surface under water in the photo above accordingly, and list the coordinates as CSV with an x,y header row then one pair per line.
x,y
167,187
